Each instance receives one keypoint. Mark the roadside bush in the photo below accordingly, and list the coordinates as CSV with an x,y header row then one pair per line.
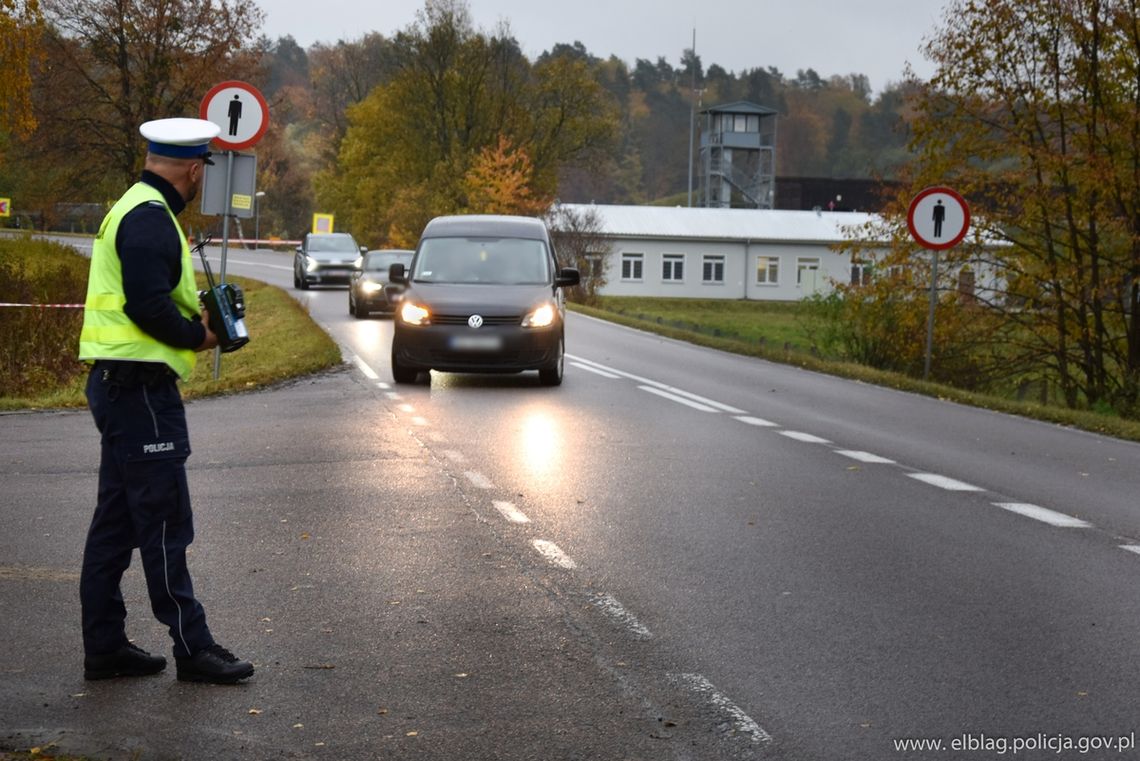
x,y
39,345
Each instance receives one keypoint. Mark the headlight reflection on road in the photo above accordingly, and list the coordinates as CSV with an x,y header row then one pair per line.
x,y
539,445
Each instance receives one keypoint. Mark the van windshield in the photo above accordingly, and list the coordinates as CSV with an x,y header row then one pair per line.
x,y
492,261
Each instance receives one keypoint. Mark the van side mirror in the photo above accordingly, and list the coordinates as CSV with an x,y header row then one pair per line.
x,y
567,277
397,274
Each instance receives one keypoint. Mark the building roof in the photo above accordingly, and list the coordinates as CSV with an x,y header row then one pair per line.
x,y
755,225
740,107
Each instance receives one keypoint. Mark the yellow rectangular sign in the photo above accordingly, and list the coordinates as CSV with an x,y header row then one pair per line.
x,y
5,207
245,203
322,223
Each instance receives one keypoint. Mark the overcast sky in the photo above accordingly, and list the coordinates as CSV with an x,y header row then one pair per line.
x,y
872,37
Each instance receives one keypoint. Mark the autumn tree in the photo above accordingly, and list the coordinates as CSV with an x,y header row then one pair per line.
x,y
117,63
580,242
412,143
1033,112
20,29
501,180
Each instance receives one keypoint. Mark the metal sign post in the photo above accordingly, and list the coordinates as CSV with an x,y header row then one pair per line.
x,y
241,112
938,219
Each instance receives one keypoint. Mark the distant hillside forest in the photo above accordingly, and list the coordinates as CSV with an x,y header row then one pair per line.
x,y
831,127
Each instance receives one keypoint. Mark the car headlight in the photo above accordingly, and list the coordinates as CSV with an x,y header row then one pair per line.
x,y
370,287
543,317
414,314
311,264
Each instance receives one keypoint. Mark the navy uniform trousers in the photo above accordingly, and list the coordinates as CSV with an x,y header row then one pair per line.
x,y
143,502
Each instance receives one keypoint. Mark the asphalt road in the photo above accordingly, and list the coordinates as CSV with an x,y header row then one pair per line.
x,y
677,554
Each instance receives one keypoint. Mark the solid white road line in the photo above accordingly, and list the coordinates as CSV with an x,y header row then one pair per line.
x,y
595,370
864,456
1044,514
478,480
677,399
510,512
663,386
617,613
804,437
942,482
741,721
364,368
756,421
556,556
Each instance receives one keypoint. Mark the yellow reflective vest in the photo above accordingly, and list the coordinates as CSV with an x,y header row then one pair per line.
x,y
107,331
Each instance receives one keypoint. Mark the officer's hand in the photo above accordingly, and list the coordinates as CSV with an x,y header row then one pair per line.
x,y
211,339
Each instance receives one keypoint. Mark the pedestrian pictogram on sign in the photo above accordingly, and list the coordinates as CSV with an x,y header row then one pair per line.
x,y
239,110
5,207
938,218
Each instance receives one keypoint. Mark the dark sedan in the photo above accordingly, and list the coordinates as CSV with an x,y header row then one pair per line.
x,y
369,291
482,295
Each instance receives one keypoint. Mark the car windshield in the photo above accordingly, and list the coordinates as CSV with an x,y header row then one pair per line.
x,y
333,244
380,261
493,261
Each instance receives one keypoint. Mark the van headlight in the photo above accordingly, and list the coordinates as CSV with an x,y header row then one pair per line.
x,y
414,314
543,317
371,286
311,264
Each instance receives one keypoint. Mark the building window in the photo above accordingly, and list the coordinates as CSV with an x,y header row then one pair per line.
x,y
767,270
860,273
673,268
631,266
712,270
595,266
810,266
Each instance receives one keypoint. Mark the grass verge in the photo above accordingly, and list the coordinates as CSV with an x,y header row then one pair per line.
x,y
783,342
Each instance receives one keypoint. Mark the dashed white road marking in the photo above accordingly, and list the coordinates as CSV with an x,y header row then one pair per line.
x,y
595,370
741,722
942,482
855,454
454,456
407,408
1133,548
383,386
554,554
478,480
1044,514
805,437
510,512
364,368
393,395
678,399
617,613
758,421
421,421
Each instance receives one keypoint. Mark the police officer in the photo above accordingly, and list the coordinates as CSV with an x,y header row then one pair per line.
x,y
141,329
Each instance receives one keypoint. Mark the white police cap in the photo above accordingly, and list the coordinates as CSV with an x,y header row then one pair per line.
x,y
180,138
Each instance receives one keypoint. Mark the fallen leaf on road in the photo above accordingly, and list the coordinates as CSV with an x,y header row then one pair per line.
x,y
412,734
298,726
254,712
383,711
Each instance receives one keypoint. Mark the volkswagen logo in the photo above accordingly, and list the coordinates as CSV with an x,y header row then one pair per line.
x,y
475,321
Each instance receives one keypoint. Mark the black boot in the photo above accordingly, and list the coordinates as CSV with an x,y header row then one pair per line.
x,y
215,664
128,660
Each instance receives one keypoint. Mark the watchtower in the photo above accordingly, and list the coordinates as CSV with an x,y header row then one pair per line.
x,y
738,157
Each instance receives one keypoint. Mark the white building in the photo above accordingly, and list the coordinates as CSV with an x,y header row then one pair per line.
x,y
758,254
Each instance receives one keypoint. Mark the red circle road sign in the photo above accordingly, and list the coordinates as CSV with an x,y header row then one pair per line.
x,y
938,218
241,112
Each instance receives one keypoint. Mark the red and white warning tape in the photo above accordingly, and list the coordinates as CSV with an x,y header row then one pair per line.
x,y
44,306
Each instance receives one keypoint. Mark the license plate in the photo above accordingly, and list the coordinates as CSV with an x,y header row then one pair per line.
x,y
476,343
